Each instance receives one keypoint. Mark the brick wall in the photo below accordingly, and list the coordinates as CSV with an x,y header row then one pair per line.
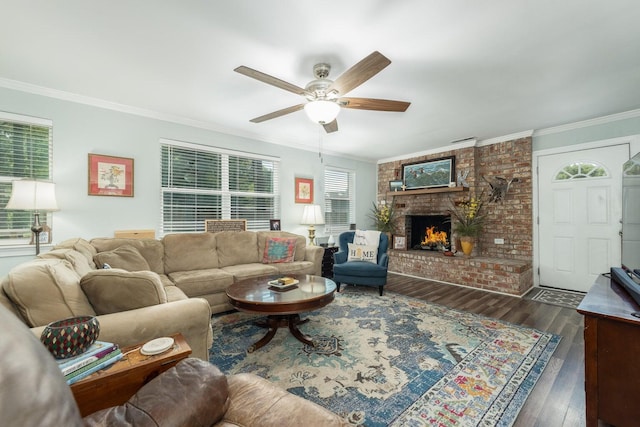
x,y
500,267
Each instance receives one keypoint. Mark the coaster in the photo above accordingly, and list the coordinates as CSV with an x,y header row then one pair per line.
x,y
157,346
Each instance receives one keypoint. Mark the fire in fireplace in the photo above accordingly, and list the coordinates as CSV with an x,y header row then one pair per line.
x,y
428,229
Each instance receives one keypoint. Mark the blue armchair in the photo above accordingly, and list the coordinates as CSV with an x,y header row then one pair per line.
x,y
360,272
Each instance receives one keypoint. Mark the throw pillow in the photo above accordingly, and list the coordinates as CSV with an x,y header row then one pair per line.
x,y
115,290
363,253
279,249
125,257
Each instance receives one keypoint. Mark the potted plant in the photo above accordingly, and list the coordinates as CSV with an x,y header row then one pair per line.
x,y
383,216
468,220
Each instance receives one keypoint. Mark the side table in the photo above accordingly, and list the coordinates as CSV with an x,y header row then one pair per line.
x,y
327,261
116,384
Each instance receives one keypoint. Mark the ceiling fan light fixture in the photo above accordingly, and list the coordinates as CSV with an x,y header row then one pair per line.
x,y
322,111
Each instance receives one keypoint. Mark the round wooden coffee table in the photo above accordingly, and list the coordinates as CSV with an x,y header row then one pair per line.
x,y
282,306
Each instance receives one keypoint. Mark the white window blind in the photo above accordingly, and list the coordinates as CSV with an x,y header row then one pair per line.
x,y
26,148
200,183
339,200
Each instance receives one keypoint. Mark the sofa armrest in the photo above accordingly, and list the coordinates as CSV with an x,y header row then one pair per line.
x,y
191,317
384,260
257,402
192,393
314,254
340,257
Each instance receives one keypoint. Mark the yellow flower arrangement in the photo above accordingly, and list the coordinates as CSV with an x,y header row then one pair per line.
x,y
383,216
468,217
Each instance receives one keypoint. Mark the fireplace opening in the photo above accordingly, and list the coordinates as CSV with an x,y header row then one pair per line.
x,y
437,227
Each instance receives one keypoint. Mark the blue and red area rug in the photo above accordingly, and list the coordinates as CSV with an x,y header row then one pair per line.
x,y
395,361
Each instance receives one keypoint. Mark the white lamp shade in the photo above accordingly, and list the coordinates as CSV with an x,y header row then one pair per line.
x,y
33,196
322,112
312,215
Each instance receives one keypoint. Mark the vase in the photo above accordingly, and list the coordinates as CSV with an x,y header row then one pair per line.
x,y
467,243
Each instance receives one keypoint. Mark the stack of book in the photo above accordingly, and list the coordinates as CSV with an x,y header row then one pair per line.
x,y
100,355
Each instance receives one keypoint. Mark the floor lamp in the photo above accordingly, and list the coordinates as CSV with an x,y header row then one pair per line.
x,y
36,196
312,216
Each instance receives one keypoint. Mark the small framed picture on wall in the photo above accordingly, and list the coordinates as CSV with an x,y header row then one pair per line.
x,y
304,190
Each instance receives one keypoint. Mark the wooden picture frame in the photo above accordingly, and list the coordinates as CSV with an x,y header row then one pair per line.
x,y
110,176
274,225
429,174
304,190
396,185
399,242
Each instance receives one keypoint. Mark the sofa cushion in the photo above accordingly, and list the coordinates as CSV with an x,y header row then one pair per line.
x,y
152,250
249,271
279,249
46,290
125,257
201,282
237,247
296,267
115,290
77,259
362,253
80,245
189,251
301,242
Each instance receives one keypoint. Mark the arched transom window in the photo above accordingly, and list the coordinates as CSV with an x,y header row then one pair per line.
x,y
581,170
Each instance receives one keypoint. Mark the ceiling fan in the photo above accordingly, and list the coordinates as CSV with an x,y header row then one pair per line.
x,y
326,97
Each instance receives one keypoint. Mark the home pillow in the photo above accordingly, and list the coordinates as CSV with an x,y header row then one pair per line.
x,y
115,290
125,257
362,253
279,249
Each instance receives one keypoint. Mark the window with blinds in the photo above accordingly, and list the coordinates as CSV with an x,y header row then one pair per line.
x,y
200,183
339,200
26,148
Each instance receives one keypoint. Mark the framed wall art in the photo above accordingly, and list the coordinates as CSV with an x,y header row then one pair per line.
x,y
304,190
110,176
429,174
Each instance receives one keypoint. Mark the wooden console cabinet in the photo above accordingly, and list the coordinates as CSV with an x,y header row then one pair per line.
x,y
612,355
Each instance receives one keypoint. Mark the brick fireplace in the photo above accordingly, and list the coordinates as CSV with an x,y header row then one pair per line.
x,y
505,268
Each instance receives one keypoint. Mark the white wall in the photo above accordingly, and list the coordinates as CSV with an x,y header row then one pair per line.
x,y
79,129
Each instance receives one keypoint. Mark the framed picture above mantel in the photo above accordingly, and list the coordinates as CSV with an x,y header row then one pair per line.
x,y
433,173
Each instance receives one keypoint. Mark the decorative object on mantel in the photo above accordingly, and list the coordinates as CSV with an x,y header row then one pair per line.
x,y
499,187
383,215
396,185
462,178
468,220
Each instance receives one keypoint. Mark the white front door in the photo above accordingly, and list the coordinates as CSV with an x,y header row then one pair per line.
x,y
579,213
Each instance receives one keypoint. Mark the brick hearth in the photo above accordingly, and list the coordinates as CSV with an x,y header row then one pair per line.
x,y
514,277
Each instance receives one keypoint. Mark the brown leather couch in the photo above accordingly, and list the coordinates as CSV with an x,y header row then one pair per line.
x,y
194,393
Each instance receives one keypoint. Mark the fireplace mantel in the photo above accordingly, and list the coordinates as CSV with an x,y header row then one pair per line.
x,y
426,191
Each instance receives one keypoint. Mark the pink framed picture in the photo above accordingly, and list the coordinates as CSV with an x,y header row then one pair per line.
x,y
110,176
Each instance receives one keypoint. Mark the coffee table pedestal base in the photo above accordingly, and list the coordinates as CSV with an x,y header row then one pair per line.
x,y
274,322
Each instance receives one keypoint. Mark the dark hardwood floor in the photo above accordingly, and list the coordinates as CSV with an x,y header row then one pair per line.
x,y
558,398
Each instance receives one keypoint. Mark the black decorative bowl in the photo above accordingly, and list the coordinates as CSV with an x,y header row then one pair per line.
x,y
70,337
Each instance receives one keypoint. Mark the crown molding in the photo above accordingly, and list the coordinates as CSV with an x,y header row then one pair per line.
x,y
590,122
505,138
151,114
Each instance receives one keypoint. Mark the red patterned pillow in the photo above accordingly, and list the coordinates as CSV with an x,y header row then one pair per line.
x,y
279,249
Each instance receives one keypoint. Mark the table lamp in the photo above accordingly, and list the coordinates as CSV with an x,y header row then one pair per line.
x,y
311,216
36,196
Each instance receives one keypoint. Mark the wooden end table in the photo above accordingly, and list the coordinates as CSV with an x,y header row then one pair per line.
x,y
114,385
281,306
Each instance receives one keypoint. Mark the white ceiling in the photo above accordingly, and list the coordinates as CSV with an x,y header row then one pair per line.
x,y
480,69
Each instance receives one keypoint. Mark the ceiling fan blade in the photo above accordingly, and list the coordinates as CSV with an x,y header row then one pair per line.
x,y
278,113
331,126
374,104
273,81
359,73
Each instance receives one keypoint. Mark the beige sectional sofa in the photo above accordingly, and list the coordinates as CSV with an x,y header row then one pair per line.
x,y
153,287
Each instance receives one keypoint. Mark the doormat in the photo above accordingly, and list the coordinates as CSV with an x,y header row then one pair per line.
x,y
394,361
556,297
